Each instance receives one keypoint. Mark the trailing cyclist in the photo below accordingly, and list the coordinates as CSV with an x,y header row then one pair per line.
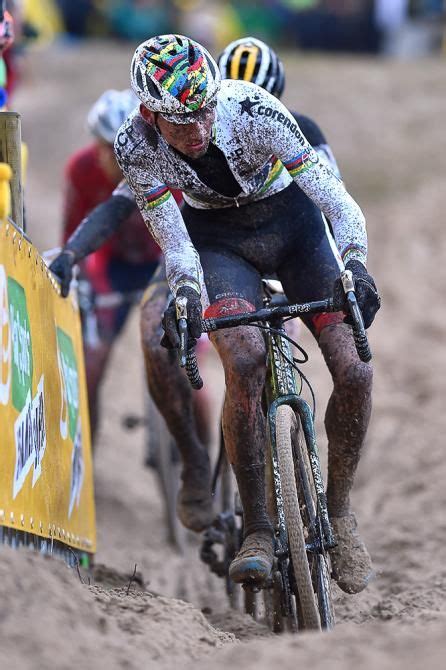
x,y
253,188
126,262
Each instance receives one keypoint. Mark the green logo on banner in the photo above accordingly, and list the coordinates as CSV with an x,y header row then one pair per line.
x,y
69,378
22,354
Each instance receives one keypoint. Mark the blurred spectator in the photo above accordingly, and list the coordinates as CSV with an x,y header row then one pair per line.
x,y
212,23
390,18
259,18
41,18
136,19
76,14
427,8
333,25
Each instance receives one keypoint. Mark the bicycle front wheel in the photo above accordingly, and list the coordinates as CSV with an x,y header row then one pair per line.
x,y
319,561
307,605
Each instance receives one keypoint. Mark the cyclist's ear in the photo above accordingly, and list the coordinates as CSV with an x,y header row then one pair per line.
x,y
147,115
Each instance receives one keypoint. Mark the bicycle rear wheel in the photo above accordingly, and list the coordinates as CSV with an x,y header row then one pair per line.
x,y
302,579
162,452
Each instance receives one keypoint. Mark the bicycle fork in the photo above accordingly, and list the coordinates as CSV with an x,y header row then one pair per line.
x,y
282,390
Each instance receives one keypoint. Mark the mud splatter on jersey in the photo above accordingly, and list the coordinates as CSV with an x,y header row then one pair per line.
x,y
265,150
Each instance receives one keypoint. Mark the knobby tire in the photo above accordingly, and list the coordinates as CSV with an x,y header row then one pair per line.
x,y
307,604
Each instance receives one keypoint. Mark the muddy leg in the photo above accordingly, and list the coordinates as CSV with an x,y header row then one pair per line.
x,y
242,352
346,421
172,394
348,413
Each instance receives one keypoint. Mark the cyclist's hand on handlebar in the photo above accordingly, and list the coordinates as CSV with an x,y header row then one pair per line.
x,y
62,268
367,294
171,338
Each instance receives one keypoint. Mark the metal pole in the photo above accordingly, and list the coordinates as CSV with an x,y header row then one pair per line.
x,y
10,152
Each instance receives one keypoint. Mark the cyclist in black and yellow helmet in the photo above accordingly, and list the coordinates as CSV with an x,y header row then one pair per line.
x,y
250,59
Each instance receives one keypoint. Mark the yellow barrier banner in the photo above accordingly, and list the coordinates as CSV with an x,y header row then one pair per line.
x,y
46,477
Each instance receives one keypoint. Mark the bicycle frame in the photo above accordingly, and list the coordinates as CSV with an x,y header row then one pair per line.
x,y
281,389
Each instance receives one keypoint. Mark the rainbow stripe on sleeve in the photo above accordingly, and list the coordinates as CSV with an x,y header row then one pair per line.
x,y
354,250
299,164
156,196
275,170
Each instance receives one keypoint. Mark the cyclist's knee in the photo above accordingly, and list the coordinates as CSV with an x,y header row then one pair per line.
x,y
347,370
150,326
243,355
357,378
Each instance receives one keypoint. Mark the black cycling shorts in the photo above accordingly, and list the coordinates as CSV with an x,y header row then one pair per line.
x,y
283,235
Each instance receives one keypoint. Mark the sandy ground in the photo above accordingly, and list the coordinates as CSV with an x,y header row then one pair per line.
x,y
383,121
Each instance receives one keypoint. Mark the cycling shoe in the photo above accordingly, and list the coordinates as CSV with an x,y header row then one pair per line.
x,y
254,561
351,563
194,502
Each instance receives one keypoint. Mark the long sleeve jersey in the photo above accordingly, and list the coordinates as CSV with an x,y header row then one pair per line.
x,y
265,150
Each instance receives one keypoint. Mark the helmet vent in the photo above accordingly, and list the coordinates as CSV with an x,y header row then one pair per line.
x,y
211,66
150,86
191,54
161,65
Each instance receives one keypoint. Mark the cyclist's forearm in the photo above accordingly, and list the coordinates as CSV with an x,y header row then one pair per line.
x,y
325,152
343,212
99,226
168,229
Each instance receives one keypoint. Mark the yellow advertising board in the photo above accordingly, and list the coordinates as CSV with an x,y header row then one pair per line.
x,y
46,478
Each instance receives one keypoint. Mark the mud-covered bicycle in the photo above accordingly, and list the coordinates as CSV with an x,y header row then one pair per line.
x,y
298,593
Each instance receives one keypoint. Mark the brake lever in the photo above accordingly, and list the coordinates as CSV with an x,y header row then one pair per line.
x,y
181,314
359,332
349,289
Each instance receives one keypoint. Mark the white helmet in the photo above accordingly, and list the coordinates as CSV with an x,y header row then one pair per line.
x,y
172,74
109,112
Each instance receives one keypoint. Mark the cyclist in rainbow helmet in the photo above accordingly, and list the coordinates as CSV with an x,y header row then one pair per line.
x,y
253,190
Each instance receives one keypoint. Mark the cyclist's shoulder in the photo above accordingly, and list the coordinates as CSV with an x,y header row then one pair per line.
x,y
247,110
237,91
310,129
135,139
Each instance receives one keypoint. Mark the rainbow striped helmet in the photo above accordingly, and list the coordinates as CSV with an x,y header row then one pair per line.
x,y
173,74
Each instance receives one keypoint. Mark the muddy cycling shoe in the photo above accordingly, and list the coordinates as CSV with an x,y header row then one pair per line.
x,y
194,502
254,561
351,563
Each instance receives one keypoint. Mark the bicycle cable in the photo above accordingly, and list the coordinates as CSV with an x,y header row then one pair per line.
x,y
294,362
303,379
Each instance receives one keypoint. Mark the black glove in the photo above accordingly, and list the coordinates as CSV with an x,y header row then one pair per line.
x,y
171,339
62,268
366,293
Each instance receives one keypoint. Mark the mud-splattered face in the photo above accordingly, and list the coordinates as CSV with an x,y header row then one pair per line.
x,y
191,139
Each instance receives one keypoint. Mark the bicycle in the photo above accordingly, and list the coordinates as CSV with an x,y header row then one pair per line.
x,y
298,593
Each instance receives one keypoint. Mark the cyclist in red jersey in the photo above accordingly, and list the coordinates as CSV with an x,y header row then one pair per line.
x,y
127,261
